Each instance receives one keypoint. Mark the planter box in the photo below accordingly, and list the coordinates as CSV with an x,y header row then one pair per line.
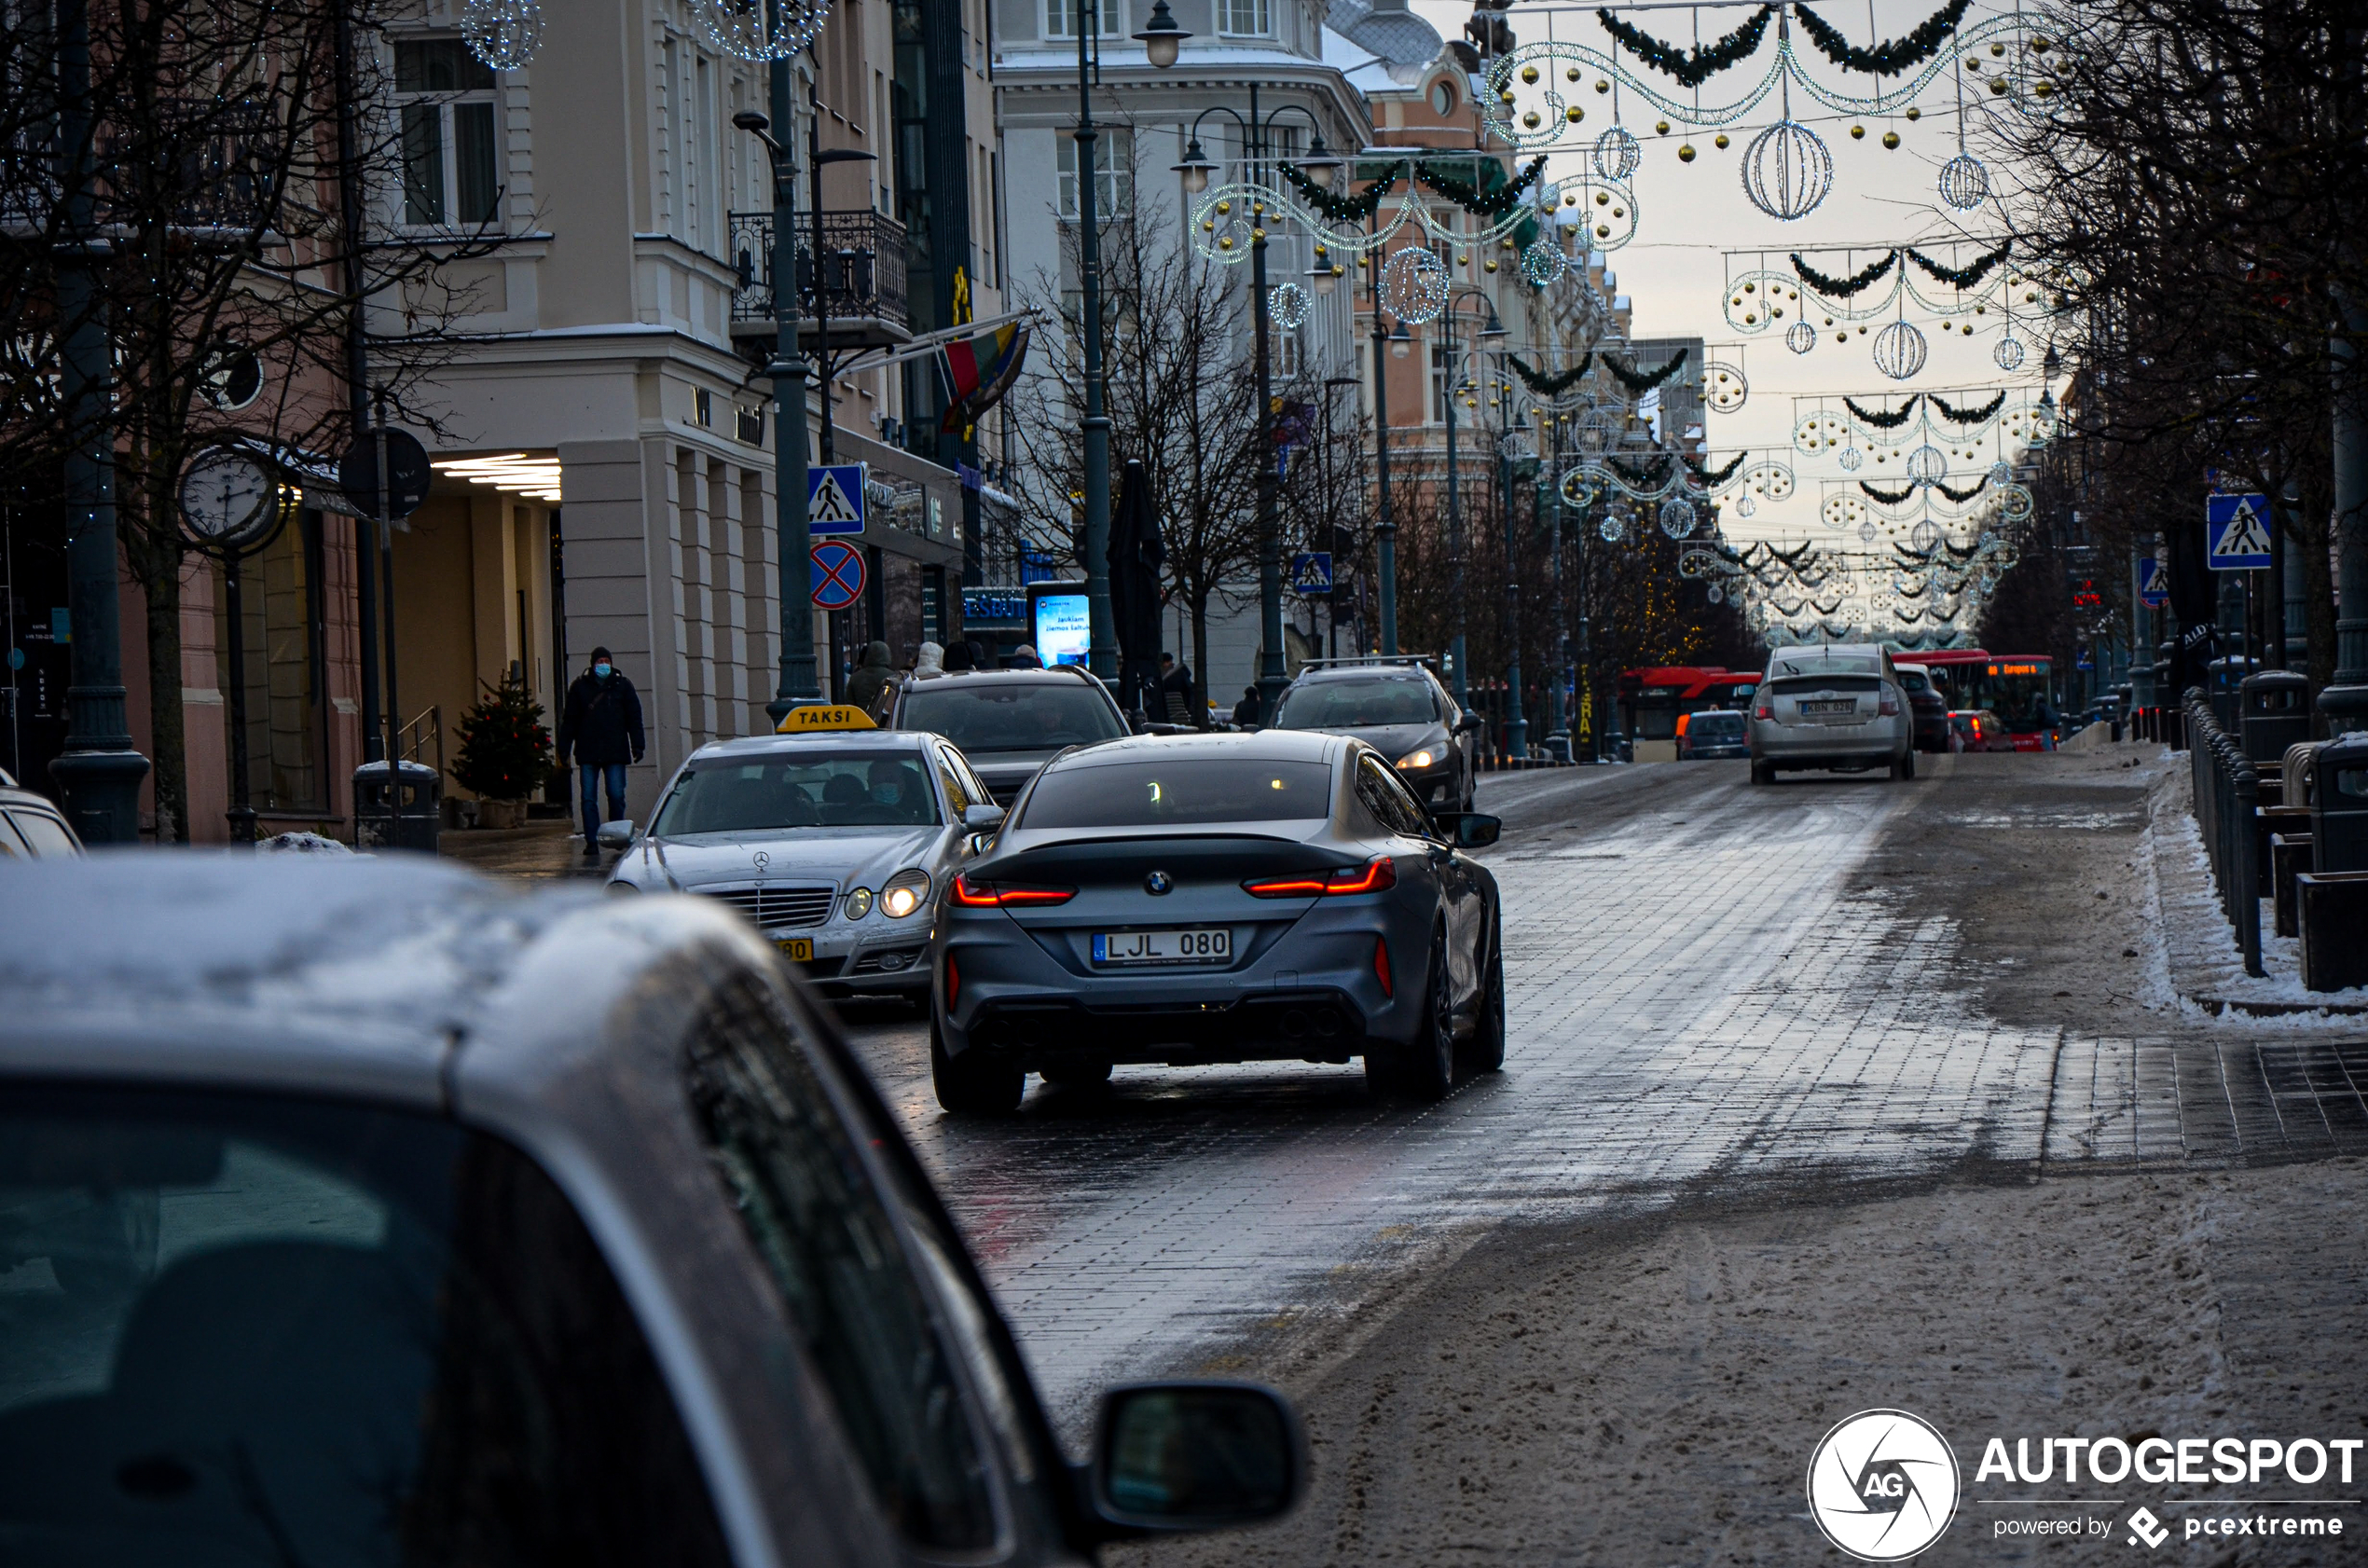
x,y
500,814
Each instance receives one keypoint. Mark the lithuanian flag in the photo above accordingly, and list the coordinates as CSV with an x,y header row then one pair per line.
x,y
977,372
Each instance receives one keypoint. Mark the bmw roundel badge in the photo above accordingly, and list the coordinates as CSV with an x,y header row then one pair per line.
x,y
1158,883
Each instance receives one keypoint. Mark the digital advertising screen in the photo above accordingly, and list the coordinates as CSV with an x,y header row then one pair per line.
x,y
1060,627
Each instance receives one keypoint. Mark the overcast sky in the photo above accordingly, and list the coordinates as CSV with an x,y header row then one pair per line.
x,y
1675,269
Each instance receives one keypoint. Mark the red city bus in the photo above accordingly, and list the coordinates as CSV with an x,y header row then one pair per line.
x,y
1651,701
2012,686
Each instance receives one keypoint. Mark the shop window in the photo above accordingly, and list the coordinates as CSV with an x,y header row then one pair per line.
x,y
281,631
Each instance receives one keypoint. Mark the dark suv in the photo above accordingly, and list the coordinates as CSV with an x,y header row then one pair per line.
x,y
1927,706
1398,708
1010,723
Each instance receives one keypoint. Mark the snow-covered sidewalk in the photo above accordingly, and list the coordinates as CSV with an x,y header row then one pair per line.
x,y
2198,966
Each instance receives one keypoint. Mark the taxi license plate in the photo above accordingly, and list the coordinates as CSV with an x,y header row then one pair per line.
x,y
1206,946
1824,709
798,950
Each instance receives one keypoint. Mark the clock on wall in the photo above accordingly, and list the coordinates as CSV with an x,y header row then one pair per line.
x,y
227,497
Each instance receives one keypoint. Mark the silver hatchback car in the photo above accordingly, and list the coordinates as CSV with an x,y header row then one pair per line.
x,y
1842,705
366,1212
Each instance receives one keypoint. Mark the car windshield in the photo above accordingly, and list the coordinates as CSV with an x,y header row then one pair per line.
x,y
761,794
253,1329
1186,791
1345,704
988,716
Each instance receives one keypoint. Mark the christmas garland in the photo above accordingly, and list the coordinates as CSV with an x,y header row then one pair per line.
x,y
1651,476
1701,471
1966,416
1489,204
1961,277
1842,288
1887,496
1639,383
1545,385
1340,209
1891,420
1961,497
1888,59
1696,66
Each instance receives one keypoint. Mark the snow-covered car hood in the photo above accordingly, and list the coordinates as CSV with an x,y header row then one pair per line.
x,y
845,856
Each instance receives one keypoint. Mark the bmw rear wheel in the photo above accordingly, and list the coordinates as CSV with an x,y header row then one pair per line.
x,y
973,1085
1488,1034
1429,1062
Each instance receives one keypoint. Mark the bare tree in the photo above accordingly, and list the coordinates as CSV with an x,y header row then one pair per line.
x,y
229,144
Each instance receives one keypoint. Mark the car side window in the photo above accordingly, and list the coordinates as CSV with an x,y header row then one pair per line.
x,y
1388,799
958,796
814,1210
45,833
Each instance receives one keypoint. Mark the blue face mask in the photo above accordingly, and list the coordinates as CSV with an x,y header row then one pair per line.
x,y
886,794
601,670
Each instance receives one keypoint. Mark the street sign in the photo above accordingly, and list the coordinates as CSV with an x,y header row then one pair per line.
x,y
838,574
1311,572
406,473
2239,534
2153,583
834,499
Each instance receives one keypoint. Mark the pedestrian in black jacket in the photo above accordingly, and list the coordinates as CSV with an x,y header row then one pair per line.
x,y
602,727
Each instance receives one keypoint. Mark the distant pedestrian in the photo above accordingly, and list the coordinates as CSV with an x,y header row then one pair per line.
x,y
1175,689
930,663
957,656
1025,657
870,683
1246,710
602,727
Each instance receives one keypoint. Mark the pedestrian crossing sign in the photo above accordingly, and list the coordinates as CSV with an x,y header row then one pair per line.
x,y
2153,583
834,499
2239,533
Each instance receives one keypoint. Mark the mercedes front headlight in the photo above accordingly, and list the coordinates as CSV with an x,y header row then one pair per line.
x,y
906,892
858,903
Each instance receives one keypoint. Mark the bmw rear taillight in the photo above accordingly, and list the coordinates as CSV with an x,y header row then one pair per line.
x,y
1381,966
1007,895
1371,877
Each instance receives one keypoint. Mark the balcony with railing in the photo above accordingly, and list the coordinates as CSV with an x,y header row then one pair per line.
x,y
863,277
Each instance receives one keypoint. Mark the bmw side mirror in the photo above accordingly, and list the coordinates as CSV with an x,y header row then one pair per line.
x,y
615,836
981,818
1468,830
1171,1458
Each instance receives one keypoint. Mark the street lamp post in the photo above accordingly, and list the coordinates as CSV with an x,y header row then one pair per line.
x,y
1516,722
1164,35
1384,528
99,772
1494,328
1101,630
1558,737
796,682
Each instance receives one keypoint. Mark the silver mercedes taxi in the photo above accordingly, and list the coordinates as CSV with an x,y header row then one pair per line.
x,y
834,844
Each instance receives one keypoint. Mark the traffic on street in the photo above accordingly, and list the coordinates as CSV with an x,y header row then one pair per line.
x,y
1183,784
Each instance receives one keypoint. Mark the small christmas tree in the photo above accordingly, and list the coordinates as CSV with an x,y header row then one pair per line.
x,y
506,752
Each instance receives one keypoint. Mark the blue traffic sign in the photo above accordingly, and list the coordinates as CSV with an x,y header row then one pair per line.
x,y
838,574
2153,583
1311,572
2238,529
834,499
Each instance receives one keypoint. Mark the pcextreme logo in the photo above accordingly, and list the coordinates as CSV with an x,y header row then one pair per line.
x,y
1883,1485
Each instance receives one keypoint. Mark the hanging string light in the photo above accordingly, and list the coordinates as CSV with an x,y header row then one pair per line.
x,y
760,30
503,34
